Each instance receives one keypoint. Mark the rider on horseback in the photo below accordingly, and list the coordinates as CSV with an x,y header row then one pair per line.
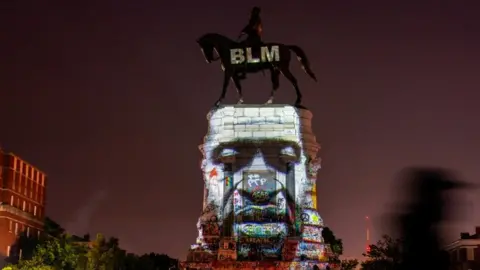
x,y
253,30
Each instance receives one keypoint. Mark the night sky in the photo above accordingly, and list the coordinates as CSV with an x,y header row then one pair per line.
x,y
110,100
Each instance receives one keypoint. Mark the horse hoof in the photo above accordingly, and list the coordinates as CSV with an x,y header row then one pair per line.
x,y
270,101
240,101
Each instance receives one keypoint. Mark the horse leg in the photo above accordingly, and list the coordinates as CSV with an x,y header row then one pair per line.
x,y
286,72
274,77
236,81
226,80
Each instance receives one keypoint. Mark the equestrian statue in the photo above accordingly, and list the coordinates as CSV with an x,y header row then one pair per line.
x,y
251,56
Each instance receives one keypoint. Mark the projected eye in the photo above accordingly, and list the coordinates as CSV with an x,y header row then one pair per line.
x,y
228,152
288,151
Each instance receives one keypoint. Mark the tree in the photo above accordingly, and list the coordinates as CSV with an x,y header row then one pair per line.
x,y
56,250
60,253
28,265
52,228
386,254
349,264
101,254
336,245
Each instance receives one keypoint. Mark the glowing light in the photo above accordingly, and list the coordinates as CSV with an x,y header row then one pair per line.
x,y
267,54
259,168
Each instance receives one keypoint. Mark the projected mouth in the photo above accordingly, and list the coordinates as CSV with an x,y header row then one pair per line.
x,y
258,196
260,214
266,230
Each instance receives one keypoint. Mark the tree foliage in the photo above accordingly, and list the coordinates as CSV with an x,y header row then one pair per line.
x,y
53,253
349,264
60,251
385,254
336,245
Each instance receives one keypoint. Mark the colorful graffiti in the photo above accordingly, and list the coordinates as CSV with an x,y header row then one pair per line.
x,y
264,265
261,230
210,229
228,249
259,251
228,181
311,217
312,233
290,250
313,166
258,189
310,251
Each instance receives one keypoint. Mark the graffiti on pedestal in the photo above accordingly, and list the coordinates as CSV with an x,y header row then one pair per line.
x,y
258,190
227,249
310,251
312,234
311,217
290,250
313,166
261,230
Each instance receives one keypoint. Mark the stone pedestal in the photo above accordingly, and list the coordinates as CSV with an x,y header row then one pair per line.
x,y
259,210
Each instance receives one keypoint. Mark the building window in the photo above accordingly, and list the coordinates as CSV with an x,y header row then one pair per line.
x,y
470,254
8,251
10,226
34,210
28,231
36,191
24,206
13,180
38,234
11,200
16,228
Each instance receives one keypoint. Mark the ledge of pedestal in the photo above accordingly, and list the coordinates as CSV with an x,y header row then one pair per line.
x,y
259,110
266,121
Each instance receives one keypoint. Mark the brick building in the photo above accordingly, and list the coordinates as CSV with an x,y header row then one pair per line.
x,y
22,202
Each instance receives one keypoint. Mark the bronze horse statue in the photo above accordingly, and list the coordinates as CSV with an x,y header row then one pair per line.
x,y
238,58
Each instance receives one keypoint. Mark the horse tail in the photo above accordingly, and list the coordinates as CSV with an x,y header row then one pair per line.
x,y
302,57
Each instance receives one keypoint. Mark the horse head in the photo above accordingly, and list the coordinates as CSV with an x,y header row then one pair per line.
x,y
211,42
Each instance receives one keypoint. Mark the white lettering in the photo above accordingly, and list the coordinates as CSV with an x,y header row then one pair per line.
x,y
270,56
250,58
239,56
236,56
255,179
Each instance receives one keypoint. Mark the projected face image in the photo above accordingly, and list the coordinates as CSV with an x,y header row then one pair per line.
x,y
256,177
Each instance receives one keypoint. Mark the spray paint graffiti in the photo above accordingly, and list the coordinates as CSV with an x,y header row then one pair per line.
x,y
312,234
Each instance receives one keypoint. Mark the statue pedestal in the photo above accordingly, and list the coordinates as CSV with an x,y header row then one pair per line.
x,y
259,211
